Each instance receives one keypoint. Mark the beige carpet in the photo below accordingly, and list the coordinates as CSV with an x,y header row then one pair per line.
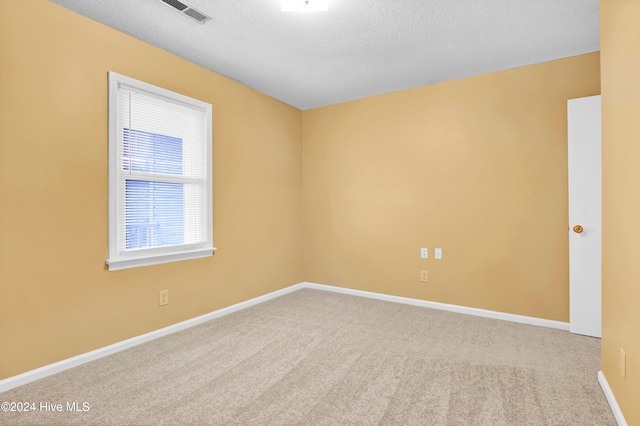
x,y
319,358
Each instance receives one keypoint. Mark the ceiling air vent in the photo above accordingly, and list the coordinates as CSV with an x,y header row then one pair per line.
x,y
198,16
188,10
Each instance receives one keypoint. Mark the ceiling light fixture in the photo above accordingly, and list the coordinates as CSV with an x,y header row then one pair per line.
x,y
305,5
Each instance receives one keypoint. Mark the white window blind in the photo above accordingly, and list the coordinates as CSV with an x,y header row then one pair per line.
x,y
159,175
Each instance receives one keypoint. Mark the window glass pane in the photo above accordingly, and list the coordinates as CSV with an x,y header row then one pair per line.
x,y
154,214
151,152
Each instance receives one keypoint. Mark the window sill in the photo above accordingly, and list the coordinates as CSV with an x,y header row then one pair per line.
x,y
116,265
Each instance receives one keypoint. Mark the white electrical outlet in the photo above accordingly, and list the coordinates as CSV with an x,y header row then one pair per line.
x,y
438,253
424,253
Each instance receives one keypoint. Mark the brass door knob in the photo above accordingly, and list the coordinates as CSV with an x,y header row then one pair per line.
x,y
578,229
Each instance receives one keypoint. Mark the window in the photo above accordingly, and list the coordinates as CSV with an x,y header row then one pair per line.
x,y
160,198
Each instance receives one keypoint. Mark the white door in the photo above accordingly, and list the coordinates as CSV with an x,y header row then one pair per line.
x,y
585,216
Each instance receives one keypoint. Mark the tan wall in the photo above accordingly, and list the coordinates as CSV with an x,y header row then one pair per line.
x,y
57,299
477,166
620,45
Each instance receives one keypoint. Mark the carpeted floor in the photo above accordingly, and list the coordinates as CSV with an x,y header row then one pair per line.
x,y
320,358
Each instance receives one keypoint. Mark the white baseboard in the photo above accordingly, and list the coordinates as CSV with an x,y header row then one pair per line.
x,y
445,307
57,367
617,413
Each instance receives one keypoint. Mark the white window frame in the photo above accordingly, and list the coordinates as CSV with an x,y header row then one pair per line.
x,y
123,259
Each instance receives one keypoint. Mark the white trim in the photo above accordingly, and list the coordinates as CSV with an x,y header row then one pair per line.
x,y
48,370
445,307
617,413
66,364
116,265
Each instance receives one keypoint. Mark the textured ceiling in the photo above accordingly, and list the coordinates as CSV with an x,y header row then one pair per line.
x,y
358,48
